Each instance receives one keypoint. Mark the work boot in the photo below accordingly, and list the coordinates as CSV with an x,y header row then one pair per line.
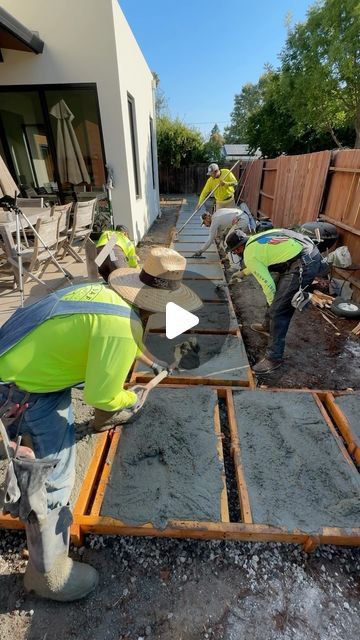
x,y
260,327
50,573
266,365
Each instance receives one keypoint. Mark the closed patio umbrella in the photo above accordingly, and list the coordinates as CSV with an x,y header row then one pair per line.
x,y
7,184
71,163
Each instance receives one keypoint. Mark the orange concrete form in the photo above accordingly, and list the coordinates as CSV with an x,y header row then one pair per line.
x,y
90,521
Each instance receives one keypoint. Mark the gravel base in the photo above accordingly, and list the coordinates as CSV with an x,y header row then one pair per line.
x,y
193,590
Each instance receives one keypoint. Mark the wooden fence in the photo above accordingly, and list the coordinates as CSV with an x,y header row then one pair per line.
x,y
292,190
296,189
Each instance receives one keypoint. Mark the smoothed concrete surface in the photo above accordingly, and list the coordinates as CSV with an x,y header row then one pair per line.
x,y
193,246
221,357
166,466
209,290
295,473
213,316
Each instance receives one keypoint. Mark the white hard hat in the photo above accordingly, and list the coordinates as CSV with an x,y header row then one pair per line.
x,y
212,168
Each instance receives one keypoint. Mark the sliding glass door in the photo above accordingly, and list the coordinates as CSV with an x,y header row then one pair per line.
x,y
51,137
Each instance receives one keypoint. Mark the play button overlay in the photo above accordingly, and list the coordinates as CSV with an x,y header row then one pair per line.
x,y
178,320
202,337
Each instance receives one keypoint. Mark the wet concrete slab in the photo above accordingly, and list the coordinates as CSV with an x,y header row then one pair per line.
x,y
205,257
193,237
350,406
166,466
295,472
193,246
197,269
221,358
209,290
213,316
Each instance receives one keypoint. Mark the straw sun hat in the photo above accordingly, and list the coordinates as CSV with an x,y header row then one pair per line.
x,y
157,283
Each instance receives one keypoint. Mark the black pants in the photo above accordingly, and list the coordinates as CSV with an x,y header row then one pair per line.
x,y
110,265
281,311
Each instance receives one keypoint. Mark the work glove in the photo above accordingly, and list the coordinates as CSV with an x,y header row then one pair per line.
x,y
197,254
105,420
158,367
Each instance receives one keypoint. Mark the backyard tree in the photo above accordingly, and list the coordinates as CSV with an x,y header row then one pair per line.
x,y
212,148
161,104
178,144
321,66
245,103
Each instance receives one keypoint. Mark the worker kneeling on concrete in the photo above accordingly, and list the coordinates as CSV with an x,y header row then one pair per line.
x,y
123,253
297,261
221,222
81,334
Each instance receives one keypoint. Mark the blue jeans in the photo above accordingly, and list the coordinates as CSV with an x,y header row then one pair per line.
x,y
49,422
281,310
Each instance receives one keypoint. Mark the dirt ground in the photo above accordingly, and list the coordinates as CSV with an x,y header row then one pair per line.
x,y
316,357
167,589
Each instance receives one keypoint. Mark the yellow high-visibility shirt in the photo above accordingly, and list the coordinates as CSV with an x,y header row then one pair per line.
x,y
222,193
264,250
127,247
96,349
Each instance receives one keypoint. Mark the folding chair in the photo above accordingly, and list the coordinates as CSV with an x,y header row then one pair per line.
x,y
62,213
83,220
47,229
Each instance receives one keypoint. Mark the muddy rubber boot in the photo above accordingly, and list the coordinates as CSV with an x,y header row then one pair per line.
x,y
50,573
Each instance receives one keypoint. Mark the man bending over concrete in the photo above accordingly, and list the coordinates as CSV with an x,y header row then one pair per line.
x,y
297,261
220,223
87,334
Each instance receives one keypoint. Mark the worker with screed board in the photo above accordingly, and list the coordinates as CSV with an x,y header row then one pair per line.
x,y
221,221
87,334
123,253
224,182
297,261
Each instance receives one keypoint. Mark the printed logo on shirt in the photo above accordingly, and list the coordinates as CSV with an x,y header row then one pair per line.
x,y
86,294
272,239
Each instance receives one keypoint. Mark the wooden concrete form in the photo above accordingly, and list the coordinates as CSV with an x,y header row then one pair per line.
x,y
343,424
90,521
85,493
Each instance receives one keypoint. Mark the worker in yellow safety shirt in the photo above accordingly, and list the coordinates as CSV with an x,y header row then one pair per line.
x,y
225,182
86,334
296,261
123,254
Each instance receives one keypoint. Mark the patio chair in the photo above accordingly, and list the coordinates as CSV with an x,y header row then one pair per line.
x,y
30,202
82,224
62,213
47,229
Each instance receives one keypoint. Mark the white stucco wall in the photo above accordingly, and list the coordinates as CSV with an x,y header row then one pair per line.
x,y
90,41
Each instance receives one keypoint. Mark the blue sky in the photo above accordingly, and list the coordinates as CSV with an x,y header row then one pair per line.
x,y
204,51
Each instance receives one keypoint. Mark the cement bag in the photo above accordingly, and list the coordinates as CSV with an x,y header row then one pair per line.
x,y
340,257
